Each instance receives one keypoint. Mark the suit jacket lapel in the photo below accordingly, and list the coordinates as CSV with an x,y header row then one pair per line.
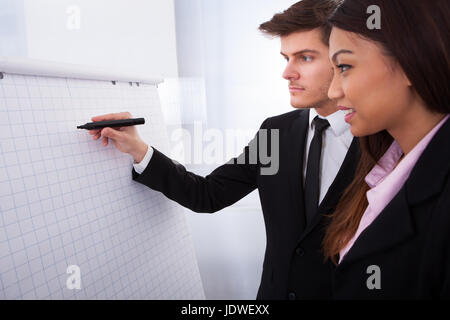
x,y
295,153
395,223
392,226
431,170
343,178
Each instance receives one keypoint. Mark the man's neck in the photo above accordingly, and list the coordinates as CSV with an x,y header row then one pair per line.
x,y
326,109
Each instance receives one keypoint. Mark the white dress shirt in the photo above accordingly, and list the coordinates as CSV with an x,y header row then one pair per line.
x,y
335,144
337,139
141,166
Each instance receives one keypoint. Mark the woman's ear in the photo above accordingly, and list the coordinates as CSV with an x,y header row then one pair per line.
x,y
406,79
396,68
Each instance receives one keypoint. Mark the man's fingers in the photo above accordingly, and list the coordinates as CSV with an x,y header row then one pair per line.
x,y
111,133
112,116
94,132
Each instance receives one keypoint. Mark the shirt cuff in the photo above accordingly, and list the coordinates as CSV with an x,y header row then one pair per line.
x,y
141,166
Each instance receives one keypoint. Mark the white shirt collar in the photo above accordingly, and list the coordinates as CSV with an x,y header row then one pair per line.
x,y
336,120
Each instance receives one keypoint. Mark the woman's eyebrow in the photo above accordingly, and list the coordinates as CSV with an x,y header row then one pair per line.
x,y
340,52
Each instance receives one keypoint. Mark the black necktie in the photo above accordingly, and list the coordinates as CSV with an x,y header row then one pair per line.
x,y
312,183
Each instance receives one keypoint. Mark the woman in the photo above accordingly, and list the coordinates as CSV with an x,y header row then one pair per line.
x,y
390,234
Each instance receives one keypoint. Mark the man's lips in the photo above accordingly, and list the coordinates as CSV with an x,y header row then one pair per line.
x,y
296,89
347,110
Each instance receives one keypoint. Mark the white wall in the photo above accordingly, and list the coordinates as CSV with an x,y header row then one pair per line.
x,y
135,35
13,40
219,41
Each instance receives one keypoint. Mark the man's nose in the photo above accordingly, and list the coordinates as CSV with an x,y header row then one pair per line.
x,y
290,73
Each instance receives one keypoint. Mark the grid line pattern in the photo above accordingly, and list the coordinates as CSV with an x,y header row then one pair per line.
x,y
66,200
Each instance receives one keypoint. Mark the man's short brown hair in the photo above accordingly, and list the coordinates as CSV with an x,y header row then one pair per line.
x,y
305,15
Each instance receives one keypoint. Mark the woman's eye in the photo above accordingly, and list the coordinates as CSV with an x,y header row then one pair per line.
x,y
343,67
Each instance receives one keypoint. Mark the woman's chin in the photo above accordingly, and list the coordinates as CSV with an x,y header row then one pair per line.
x,y
360,132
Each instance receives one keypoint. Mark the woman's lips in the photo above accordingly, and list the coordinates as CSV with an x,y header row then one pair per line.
x,y
349,113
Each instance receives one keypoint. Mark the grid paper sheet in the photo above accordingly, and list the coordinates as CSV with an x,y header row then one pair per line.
x,y
67,200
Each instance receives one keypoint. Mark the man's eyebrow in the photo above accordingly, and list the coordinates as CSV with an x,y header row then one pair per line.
x,y
301,52
340,52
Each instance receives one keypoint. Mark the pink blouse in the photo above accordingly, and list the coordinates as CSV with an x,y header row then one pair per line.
x,y
386,180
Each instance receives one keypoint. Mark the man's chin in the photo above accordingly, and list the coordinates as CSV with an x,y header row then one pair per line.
x,y
308,104
301,105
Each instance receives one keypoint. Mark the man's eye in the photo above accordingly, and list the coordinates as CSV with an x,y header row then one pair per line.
x,y
343,67
307,58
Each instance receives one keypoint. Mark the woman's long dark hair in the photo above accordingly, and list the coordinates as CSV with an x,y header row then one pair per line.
x,y
416,34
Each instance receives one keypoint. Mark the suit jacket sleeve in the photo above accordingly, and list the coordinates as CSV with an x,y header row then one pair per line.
x,y
223,187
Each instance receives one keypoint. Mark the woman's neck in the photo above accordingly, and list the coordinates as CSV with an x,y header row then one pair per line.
x,y
414,126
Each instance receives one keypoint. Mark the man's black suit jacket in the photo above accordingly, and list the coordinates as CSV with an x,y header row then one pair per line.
x,y
294,266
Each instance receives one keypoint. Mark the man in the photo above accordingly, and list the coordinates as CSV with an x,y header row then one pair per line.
x,y
317,160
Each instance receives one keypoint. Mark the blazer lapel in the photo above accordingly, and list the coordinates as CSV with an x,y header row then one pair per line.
x,y
431,170
295,153
343,179
391,227
395,223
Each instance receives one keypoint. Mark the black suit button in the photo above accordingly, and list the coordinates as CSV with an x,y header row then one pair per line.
x,y
292,296
300,252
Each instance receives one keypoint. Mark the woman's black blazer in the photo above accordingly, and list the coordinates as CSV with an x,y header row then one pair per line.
x,y
405,252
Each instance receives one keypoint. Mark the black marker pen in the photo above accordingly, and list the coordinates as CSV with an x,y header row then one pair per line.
x,y
112,124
